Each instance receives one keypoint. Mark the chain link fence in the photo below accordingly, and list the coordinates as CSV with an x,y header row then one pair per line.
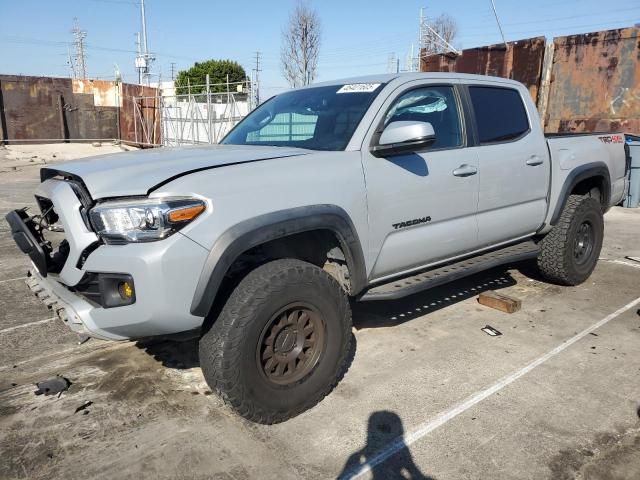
x,y
202,115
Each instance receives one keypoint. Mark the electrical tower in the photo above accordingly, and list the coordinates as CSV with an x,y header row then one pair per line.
x,y
79,59
257,71
144,58
431,41
411,63
173,70
70,63
393,63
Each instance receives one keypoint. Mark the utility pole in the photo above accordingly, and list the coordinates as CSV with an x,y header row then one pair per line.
x,y
80,56
173,70
144,58
140,64
257,78
144,27
493,6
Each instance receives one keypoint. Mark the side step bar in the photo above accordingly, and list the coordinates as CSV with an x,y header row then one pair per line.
x,y
406,286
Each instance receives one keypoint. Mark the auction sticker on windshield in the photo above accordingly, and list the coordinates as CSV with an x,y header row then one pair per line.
x,y
358,88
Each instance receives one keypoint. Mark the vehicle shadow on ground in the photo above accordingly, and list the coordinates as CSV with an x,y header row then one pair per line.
x,y
388,313
385,455
172,352
181,353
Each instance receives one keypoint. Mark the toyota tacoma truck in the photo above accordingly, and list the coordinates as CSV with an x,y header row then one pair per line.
x,y
367,189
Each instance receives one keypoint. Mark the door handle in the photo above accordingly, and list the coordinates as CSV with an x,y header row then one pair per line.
x,y
534,161
465,170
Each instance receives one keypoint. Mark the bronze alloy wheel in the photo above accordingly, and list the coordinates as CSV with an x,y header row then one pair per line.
x,y
280,343
291,344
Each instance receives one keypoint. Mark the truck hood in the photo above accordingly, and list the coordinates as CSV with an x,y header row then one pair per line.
x,y
139,172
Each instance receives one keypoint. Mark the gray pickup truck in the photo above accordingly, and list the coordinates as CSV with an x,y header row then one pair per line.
x,y
365,189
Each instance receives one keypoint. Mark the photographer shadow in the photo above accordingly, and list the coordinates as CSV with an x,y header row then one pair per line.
x,y
385,454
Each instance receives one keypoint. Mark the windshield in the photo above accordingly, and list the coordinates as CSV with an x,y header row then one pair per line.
x,y
320,118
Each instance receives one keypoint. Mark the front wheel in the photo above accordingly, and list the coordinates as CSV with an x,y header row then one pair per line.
x,y
570,251
280,343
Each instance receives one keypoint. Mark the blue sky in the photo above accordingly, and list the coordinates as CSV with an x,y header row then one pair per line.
x,y
358,36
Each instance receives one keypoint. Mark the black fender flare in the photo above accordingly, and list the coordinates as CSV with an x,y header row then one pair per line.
x,y
271,226
577,175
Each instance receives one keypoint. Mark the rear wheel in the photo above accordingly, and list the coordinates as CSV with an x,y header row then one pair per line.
x,y
280,343
570,251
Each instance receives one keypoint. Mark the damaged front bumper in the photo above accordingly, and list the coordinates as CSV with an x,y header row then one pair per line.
x,y
68,307
81,282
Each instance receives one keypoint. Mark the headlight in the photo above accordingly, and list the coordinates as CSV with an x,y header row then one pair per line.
x,y
144,220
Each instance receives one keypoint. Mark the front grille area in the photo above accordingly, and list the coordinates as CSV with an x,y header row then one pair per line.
x,y
89,288
49,224
52,238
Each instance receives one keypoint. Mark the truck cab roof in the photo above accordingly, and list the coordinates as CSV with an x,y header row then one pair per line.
x,y
412,76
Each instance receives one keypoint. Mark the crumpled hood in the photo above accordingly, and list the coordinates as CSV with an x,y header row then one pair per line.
x,y
139,172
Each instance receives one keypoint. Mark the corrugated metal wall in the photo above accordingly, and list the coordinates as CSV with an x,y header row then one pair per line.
x,y
595,83
588,82
140,114
45,108
521,61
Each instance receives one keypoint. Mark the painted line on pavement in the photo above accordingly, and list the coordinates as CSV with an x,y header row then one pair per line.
x,y
628,264
425,428
25,325
13,279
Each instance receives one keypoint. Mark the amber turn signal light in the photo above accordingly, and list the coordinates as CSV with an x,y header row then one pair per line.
x,y
126,290
184,214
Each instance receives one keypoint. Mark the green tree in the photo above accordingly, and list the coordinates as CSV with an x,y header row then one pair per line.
x,y
218,70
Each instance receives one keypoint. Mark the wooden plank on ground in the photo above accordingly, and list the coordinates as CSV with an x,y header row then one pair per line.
x,y
499,302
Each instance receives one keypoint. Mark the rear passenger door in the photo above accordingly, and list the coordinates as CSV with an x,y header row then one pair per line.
x,y
513,164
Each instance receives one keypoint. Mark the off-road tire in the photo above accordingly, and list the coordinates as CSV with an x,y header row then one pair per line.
x,y
557,259
227,351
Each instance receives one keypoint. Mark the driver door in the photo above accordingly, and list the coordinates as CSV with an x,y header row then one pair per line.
x,y
422,205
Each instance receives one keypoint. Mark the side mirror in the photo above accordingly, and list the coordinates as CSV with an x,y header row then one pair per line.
x,y
404,137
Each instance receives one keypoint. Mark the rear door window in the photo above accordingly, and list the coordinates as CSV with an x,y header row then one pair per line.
x,y
500,114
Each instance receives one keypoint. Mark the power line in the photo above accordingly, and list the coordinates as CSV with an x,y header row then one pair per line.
x,y
608,24
88,46
548,18
121,2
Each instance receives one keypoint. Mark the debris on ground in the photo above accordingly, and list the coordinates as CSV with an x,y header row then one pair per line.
x,y
499,302
633,259
53,386
84,407
489,330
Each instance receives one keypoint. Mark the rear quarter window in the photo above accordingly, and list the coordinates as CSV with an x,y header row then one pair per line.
x,y
499,113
